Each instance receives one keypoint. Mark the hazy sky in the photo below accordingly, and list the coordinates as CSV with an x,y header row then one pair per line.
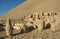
x,y
6,5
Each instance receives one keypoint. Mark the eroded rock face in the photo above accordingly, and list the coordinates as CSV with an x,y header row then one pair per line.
x,y
45,20
8,27
36,21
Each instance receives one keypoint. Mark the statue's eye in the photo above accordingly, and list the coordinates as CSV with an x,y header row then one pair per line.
x,y
31,22
48,14
43,14
55,13
31,16
38,18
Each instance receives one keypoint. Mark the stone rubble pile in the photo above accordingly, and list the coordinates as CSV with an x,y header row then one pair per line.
x,y
40,21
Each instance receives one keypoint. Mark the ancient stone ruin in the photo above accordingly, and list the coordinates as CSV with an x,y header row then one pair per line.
x,y
40,21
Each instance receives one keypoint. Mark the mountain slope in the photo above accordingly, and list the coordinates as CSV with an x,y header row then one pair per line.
x,y
30,6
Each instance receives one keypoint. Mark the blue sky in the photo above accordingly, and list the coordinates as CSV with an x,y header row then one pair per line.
x,y
6,5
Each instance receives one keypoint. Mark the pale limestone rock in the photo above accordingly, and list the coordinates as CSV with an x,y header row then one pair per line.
x,y
55,26
28,19
39,24
45,14
35,14
19,26
7,27
57,18
54,23
30,23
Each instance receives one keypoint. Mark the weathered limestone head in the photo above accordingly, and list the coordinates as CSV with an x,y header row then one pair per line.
x,y
35,15
45,14
29,16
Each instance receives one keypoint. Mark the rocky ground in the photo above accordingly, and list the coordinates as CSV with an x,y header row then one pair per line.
x,y
35,34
